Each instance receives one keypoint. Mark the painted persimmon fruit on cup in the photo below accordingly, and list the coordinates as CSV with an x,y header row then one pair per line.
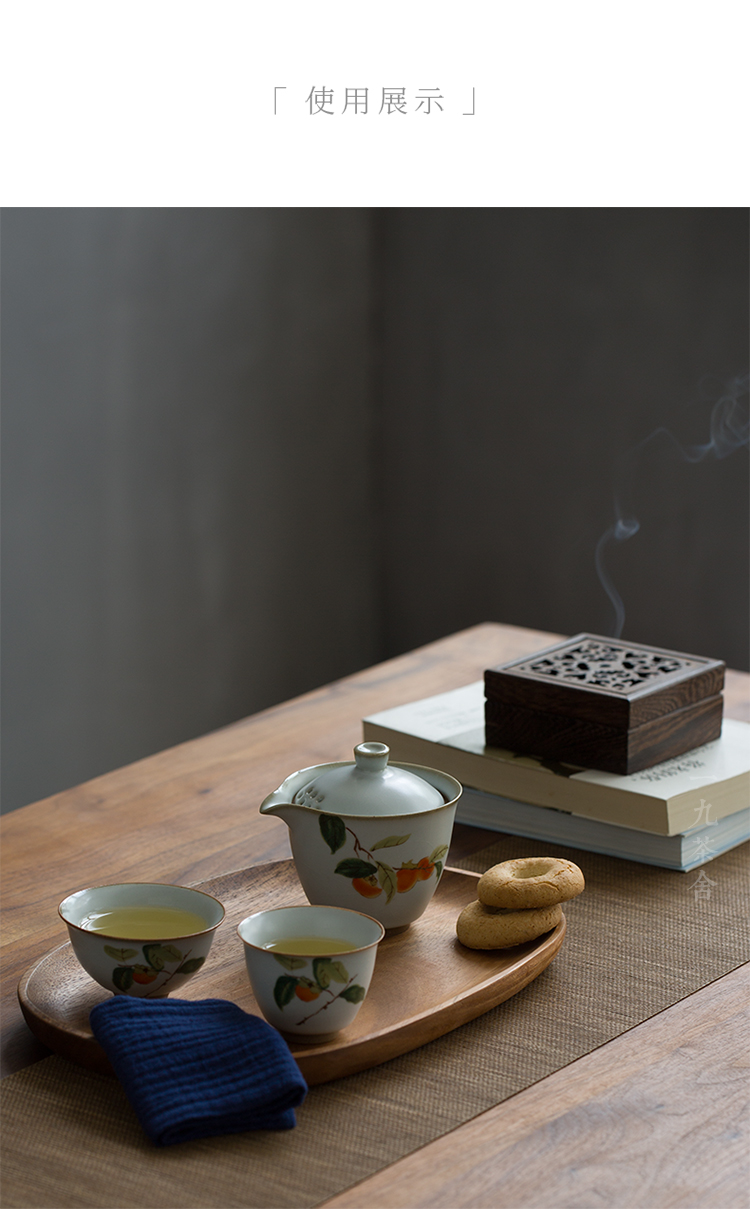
x,y
310,967
141,938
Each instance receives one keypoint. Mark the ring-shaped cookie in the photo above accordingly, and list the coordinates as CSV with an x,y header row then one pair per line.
x,y
480,927
530,881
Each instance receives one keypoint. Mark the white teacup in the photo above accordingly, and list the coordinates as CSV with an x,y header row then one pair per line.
x,y
311,983
141,938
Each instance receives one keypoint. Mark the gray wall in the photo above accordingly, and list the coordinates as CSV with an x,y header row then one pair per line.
x,y
249,451
187,476
524,353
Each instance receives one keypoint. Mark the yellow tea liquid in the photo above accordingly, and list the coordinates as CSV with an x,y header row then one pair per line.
x,y
310,946
144,923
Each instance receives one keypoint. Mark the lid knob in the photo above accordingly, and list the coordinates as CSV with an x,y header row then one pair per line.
x,y
371,757
369,785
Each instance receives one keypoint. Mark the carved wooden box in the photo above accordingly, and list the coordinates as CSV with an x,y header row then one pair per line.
x,y
604,703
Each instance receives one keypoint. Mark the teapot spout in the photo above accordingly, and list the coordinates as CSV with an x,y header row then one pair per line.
x,y
281,809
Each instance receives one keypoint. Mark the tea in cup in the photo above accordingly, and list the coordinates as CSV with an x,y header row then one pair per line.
x,y
141,938
310,967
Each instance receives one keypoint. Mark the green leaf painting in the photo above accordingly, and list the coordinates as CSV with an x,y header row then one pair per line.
x,y
333,830
326,971
353,994
387,879
158,955
289,962
191,965
322,972
283,992
362,872
171,953
353,867
154,956
122,977
391,841
120,954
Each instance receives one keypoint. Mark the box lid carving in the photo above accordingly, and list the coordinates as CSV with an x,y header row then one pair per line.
x,y
605,680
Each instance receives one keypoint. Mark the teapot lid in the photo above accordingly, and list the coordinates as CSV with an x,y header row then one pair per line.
x,y
369,786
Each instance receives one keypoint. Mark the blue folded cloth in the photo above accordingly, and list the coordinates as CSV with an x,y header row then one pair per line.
x,y
198,1069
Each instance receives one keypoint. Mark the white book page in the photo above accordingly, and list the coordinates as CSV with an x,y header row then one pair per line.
x,y
456,719
440,718
726,757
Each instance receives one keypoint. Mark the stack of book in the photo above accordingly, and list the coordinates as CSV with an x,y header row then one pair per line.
x,y
679,814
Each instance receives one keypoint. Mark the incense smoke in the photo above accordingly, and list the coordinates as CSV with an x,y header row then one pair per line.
x,y
729,430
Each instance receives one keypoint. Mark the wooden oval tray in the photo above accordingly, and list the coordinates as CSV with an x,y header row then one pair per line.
x,y
425,983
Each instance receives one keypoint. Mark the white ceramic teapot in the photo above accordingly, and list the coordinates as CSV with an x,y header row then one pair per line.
x,y
369,835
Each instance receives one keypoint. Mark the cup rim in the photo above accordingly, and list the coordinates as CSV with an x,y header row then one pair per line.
x,y
306,907
114,885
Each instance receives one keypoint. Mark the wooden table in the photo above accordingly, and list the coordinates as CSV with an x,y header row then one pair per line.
x,y
191,813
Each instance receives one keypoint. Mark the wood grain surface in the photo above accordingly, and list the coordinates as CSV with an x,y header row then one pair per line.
x,y
650,1119
425,983
191,813
602,704
656,1118
590,745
